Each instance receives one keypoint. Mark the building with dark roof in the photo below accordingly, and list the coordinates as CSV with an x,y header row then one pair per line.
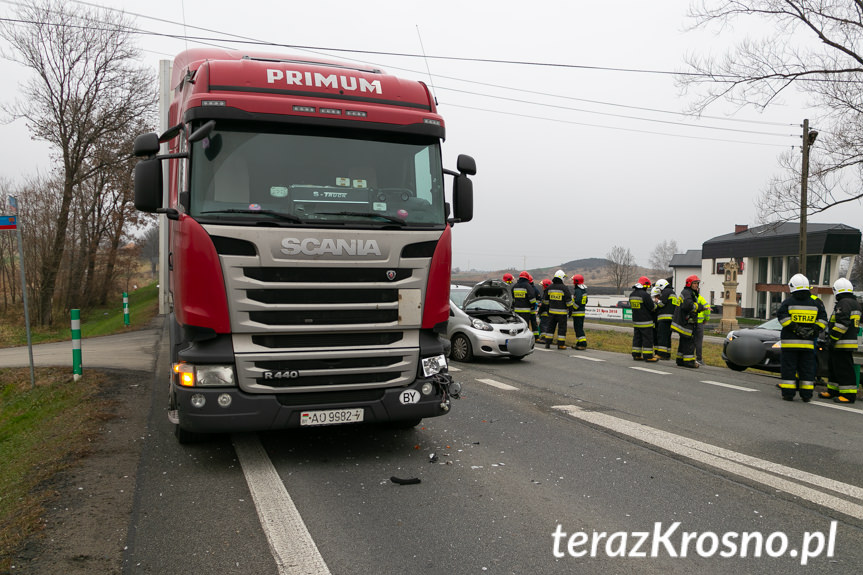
x,y
768,256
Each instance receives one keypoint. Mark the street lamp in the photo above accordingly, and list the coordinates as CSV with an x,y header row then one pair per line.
x,y
808,140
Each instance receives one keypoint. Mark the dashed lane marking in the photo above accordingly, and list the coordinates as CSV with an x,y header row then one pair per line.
x,y
728,385
451,368
648,370
842,407
498,384
587,357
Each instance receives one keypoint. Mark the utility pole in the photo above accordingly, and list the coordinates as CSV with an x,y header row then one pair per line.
x,y
808,140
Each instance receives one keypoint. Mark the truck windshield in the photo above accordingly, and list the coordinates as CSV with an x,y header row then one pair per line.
x,y
246,176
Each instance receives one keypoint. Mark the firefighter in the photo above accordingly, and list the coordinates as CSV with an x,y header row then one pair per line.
x,y
665,305
698,330
524,301
542,310
685,319
579,307
508,278
842,343
557,300
642,307
802,316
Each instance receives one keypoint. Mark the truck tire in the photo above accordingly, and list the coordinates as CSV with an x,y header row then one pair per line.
x,y
404,423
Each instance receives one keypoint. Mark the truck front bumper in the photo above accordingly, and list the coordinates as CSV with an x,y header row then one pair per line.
x,y
201,410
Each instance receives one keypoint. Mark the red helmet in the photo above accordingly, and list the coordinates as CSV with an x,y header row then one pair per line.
x,y
524,275
507,277
546,282
644,281
578,279
691,279
530,278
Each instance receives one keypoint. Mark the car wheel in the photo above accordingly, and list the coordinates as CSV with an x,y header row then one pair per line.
x,y
516,357
461,348
735,367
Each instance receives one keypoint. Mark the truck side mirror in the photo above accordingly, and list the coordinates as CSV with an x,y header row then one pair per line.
x,y
466,165
462,198
146,145
148,185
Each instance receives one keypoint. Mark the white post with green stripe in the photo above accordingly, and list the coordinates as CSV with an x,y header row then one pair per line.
x,y
76,344
125,308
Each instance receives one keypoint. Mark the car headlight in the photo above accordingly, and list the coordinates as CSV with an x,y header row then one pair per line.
x,y
433,365
730,336
479,324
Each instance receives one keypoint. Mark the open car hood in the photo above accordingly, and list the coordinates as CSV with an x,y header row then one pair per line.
x,y
490,289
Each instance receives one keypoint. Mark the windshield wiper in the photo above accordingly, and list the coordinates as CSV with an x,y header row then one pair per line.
x,y
392,219
275,214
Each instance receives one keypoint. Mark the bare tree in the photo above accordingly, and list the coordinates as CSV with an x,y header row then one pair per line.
x,y
661,256
86,87
621,266
813,46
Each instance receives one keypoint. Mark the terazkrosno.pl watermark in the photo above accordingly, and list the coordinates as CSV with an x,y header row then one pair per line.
x,y
670,542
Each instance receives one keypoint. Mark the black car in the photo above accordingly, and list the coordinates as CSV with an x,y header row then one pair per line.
x,y
759,347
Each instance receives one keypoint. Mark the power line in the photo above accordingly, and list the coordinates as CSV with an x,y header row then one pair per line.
x,y
305,48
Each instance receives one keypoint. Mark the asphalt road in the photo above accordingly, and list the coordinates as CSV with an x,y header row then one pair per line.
x,y
575,443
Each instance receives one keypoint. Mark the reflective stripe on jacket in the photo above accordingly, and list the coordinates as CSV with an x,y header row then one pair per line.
x,y
845,322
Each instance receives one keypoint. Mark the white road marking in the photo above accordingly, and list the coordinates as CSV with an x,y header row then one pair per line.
x,y
290,541
587,357
451,368
648,370
780,477
728,385
498,384
842,407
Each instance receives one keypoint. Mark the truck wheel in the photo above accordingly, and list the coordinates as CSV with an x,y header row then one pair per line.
x,y
461,348
404,423
185,437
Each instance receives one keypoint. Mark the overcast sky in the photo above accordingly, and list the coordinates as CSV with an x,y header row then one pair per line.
x,y
572,158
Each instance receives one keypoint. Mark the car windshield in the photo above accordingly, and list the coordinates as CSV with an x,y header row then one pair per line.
x,y
457,295
244,174
485,305
771,324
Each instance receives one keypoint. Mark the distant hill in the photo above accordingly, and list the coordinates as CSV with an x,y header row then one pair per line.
x,y
594,270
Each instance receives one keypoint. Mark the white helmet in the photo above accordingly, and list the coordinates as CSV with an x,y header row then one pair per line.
x,y
655,291
842,285
661,284
798,282
559,274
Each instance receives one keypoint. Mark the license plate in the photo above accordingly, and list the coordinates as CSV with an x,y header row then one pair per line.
x,y
332,416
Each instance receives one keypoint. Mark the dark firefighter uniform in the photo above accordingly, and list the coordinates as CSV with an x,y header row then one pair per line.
x,y
524,303
665,307
579,307
842,343
557,300
802,317
685,318
642,306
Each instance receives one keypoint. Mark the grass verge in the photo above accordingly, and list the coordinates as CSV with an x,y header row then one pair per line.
x,y
45,429
42,431
143,307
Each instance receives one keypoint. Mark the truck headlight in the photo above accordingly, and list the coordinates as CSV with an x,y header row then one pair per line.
x,y
189,375
434,364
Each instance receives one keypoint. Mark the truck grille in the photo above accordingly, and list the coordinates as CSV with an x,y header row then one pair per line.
x,y
325,325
